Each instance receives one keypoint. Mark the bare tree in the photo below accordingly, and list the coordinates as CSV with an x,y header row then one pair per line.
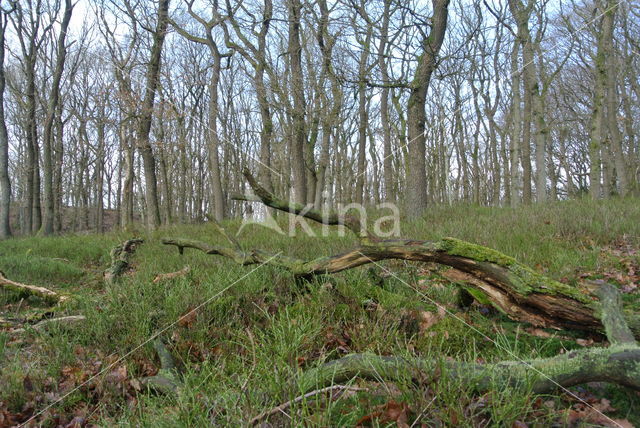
x,y
48,137
5,182
416,188
146,115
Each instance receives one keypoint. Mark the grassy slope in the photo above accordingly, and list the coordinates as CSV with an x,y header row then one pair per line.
x,y
242,351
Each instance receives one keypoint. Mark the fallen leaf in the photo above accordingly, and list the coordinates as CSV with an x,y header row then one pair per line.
x,y
392,411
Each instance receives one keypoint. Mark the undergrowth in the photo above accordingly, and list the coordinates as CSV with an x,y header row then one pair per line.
x,y
256,328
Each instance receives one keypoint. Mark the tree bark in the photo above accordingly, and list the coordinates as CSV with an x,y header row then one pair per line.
x,y
5,182
598,130
299,105
387,162
416,116
146,116
48,137
615,135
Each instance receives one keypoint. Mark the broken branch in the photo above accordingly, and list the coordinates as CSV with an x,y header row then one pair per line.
x,y
617,364
329,218
171,275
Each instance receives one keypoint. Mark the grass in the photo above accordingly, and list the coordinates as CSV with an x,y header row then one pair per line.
x,y
256,329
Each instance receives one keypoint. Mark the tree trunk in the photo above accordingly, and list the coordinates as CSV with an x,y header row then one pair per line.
x,y
612,101
299,105
146,116
416,116
5,182
387,162
362,118
598,130
48,137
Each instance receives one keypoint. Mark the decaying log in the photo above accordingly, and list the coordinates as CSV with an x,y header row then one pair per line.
x,y
120,259
44,293
617,364
490,277
513,288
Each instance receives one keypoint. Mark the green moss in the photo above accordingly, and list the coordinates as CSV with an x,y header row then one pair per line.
x,y
479,296
523,279
476,252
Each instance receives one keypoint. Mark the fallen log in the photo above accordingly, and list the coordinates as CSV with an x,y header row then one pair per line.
x,y
67,320
619,363
120,259
33,290
490,277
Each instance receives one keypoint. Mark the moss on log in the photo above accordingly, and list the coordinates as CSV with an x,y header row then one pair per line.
x,y
513,288
490,276
617,364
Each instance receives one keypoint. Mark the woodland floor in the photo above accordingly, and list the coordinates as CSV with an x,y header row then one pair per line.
x,y
242,352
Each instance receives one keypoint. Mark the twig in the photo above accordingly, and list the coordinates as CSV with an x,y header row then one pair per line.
x,y
284,406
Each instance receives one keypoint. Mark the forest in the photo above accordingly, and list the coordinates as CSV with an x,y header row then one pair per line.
x,y
319,213
118,112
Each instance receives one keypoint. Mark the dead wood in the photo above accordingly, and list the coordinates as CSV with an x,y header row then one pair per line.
x,y
619,363
171,275
167,380
490,277
44,293
68,320
120,259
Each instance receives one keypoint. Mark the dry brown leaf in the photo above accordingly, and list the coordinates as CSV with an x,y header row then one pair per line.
x,y
389,412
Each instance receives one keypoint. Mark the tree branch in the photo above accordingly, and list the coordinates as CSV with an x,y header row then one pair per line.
x,y
349,221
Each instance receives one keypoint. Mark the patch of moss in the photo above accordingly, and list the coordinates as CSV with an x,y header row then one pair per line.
x,y
524,279
457,247
480,296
